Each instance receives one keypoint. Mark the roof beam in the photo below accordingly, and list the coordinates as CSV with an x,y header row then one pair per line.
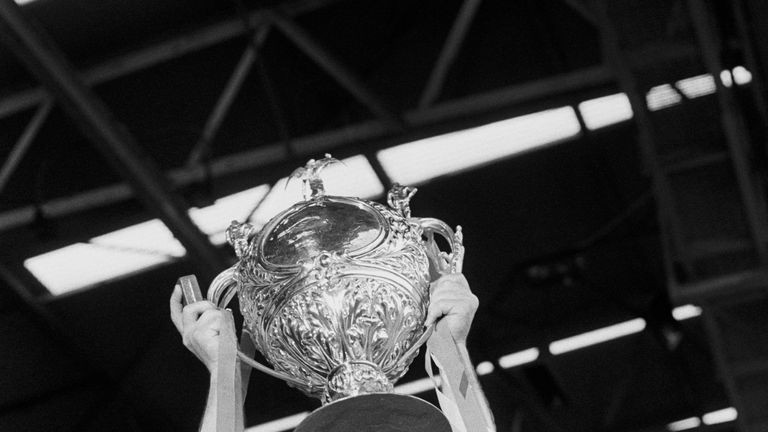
x,y
38,53
166,50
262,156
449,52
227,97
338,71
24,142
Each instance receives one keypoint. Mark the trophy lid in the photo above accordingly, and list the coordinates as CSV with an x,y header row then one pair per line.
x,y
320,224
327,224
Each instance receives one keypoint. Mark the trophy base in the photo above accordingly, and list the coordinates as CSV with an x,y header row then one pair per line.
x,y
376,412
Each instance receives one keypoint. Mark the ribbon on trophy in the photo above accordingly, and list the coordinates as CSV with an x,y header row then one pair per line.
x,y
458,391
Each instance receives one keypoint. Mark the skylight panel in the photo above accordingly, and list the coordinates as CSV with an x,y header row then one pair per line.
x,y
484,368
214,219
606,110
684,424
106,257
685,312
135,248
419,161
662,96
594,337
150,237
726,78
83,264
353,177
741,75
280,425
415,387
697,86
720,416
519,358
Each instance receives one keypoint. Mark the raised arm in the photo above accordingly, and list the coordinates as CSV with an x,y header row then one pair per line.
x,y
200,325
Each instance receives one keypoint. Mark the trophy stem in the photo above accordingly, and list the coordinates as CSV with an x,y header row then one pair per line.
x,y
354,378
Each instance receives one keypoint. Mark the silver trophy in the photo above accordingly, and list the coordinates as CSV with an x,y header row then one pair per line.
x,y
334,291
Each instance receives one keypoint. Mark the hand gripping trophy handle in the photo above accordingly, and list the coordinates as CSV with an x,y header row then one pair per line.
x,y
443,261
440,262
221,291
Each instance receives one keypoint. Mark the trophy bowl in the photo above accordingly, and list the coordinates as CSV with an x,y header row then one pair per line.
x,y
334,290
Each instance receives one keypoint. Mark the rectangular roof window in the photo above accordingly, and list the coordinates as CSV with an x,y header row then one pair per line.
x,y
135,248
606,110
419,161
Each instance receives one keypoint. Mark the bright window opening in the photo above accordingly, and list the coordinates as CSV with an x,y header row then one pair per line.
x,y
662,96
84,264
419,161
595,337
214,219
697,86
484,368
605,111
280,425
685,312
417,386
720,416
741,75
519,358
135,248
684,424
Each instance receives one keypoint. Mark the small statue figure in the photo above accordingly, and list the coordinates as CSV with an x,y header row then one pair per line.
x,y
310,176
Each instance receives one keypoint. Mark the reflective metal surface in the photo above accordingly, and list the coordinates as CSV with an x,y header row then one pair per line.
x,y
334,290
324,224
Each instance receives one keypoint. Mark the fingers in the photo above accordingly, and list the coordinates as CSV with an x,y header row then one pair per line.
x,y
176,307
208,324
463,307
453,301
210,318
192,312
454,282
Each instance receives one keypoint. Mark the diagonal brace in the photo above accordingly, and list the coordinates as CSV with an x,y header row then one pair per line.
x,y
41,57
449,52
228,96
24,142
334,67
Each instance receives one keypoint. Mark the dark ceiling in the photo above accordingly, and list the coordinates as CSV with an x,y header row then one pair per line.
x,y
108,358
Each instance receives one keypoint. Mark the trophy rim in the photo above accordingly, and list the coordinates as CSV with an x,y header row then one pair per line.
x,y
359,203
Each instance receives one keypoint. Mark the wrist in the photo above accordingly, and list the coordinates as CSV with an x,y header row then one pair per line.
x,y
213,370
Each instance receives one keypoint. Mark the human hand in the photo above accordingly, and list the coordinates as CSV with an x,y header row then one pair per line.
x,y
452,300
200,325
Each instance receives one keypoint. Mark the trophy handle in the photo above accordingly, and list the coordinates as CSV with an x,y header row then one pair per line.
x,y
223,288
443,262
221,292
440,262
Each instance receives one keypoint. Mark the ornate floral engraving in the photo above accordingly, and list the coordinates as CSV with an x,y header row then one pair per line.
x,y
342,320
